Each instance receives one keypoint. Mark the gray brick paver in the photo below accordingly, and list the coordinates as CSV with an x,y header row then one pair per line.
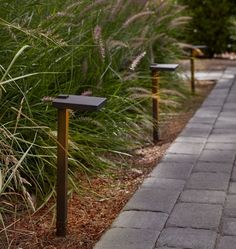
x,y
203,120
214,167
230,206
163,183
172,170
195,132
217,156
228,113
226,120
187,238
127,238
203,196
229,106
221,146
195,215
224,125
233,176
208,181
227,138
196,125
141,220
229,226
166,247
182,139
232,188
181,158
151,199
227,242
186,148
224,131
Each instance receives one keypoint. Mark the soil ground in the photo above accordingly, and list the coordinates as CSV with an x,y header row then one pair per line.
x,y
91,214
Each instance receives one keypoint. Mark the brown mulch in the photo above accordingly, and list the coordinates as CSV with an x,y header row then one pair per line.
x,y
90,214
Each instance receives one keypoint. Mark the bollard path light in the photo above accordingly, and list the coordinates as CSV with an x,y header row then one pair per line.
x,y
63,103
155,70
192,64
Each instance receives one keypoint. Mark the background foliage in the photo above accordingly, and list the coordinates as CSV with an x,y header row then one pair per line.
x,y
211,24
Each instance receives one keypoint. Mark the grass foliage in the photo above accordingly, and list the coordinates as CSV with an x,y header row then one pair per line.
x,y
52,47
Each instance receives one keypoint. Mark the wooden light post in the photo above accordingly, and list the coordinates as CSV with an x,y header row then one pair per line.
x,y
63,103
193,51
155,70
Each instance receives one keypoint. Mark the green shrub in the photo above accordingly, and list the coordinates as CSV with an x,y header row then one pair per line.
x,y
210,23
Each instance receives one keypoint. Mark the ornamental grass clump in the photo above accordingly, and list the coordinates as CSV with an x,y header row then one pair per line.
x,y
102,47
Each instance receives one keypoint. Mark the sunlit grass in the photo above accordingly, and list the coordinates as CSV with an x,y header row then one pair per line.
x,y
52,47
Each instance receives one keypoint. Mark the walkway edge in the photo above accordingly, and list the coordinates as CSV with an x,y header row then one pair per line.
x,y
180,204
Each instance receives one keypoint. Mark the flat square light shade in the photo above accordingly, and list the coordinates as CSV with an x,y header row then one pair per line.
x,y
78,102
199,46
164,67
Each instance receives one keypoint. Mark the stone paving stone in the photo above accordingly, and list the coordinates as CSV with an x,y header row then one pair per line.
x,y
229,226
230,70
227,138
213,102
232,188
172,170
203,196
195,215
230,206
207,112
228,113
186,148
220,92
221,146
208,181
213,167
198,140
231,98
163,183
216,94
141,220
229,106
196,125
127,238
195,132
203,120
179,158
217,156
226,120
166,247
223,84
225,125
151,199
227,131
227,242
233,176
187,238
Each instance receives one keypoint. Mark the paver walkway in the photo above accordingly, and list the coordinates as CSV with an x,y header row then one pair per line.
x,y
189,200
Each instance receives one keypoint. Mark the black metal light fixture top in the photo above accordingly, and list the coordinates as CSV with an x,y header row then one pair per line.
x,y
78,102
164,67
199,46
